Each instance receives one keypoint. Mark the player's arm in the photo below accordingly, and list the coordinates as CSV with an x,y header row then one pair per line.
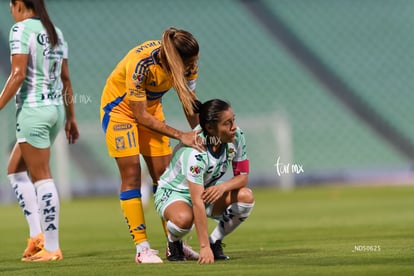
x,y
71,127
213,193
200,221
192,74
16,78
136,97
67,91
142,117
192,120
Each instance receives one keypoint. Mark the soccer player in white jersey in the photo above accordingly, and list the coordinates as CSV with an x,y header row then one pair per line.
x,y
189,191
40,81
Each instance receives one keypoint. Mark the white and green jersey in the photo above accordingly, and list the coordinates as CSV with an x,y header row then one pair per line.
x,y
204,168
43,85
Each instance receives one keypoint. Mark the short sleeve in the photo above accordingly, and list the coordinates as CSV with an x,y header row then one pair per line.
x,y
135,76
18,39
194,166
240,161
240,145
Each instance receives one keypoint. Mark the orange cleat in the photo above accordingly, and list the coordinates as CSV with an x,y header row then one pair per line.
x,y
34,245
45,256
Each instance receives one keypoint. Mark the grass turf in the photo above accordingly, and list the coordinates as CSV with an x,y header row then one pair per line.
x,y
310,231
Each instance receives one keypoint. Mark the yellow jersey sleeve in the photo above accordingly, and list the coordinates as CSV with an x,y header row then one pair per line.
x,y
135,75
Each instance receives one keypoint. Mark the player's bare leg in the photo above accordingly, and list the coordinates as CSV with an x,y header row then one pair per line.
x,y
131,205
234,207
26,196
156,167
37,162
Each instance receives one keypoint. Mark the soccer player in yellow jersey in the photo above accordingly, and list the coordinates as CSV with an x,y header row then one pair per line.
x,y
133,120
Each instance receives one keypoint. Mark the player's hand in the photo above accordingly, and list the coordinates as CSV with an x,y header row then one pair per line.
x,y
71,130
212,194
206,256
192,139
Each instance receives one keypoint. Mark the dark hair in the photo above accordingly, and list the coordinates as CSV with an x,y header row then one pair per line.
x,y
210,113
39,8
178,47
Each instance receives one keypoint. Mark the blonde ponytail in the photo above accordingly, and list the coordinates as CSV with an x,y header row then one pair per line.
x,y
177,46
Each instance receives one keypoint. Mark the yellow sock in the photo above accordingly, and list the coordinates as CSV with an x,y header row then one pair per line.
x,y
131,205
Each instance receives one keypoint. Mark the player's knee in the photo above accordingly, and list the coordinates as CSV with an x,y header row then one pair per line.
x,y
245,195
130,177
176,230
183,220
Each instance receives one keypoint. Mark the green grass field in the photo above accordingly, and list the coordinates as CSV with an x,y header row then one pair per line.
x,y
310,231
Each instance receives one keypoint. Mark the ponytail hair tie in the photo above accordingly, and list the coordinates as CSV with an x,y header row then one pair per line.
x,y
172,33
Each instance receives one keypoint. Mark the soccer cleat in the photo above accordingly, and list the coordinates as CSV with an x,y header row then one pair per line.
x,y
34,245
148,256
189,253
175,251
217,249
45,256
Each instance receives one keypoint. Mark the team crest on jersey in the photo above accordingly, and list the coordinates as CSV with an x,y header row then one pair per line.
x,y
120,143
138,78
231,153
195,170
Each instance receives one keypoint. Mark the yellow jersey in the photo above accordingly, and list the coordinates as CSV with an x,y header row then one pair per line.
x,y
139,77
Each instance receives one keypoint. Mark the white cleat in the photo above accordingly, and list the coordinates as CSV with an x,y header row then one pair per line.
x,y
148,256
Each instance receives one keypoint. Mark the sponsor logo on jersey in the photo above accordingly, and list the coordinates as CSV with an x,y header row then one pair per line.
x,y
35,134
43,39
136,93
119,127
50,96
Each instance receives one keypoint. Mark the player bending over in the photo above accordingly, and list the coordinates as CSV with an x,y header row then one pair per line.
x,y
189,191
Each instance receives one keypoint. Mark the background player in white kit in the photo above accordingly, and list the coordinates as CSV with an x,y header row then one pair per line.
x,y
189,191
40,80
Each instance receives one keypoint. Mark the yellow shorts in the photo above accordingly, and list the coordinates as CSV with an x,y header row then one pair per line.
x,y
124,137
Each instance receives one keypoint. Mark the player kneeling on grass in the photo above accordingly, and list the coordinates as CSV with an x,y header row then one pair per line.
x,y
189,191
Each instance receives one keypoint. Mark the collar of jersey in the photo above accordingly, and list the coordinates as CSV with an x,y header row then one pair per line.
x,y
214,154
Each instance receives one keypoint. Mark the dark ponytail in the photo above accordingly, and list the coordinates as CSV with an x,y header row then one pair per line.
x,y
39,8
210,113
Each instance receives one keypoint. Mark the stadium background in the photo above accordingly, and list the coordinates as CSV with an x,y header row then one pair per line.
x,y
325,85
